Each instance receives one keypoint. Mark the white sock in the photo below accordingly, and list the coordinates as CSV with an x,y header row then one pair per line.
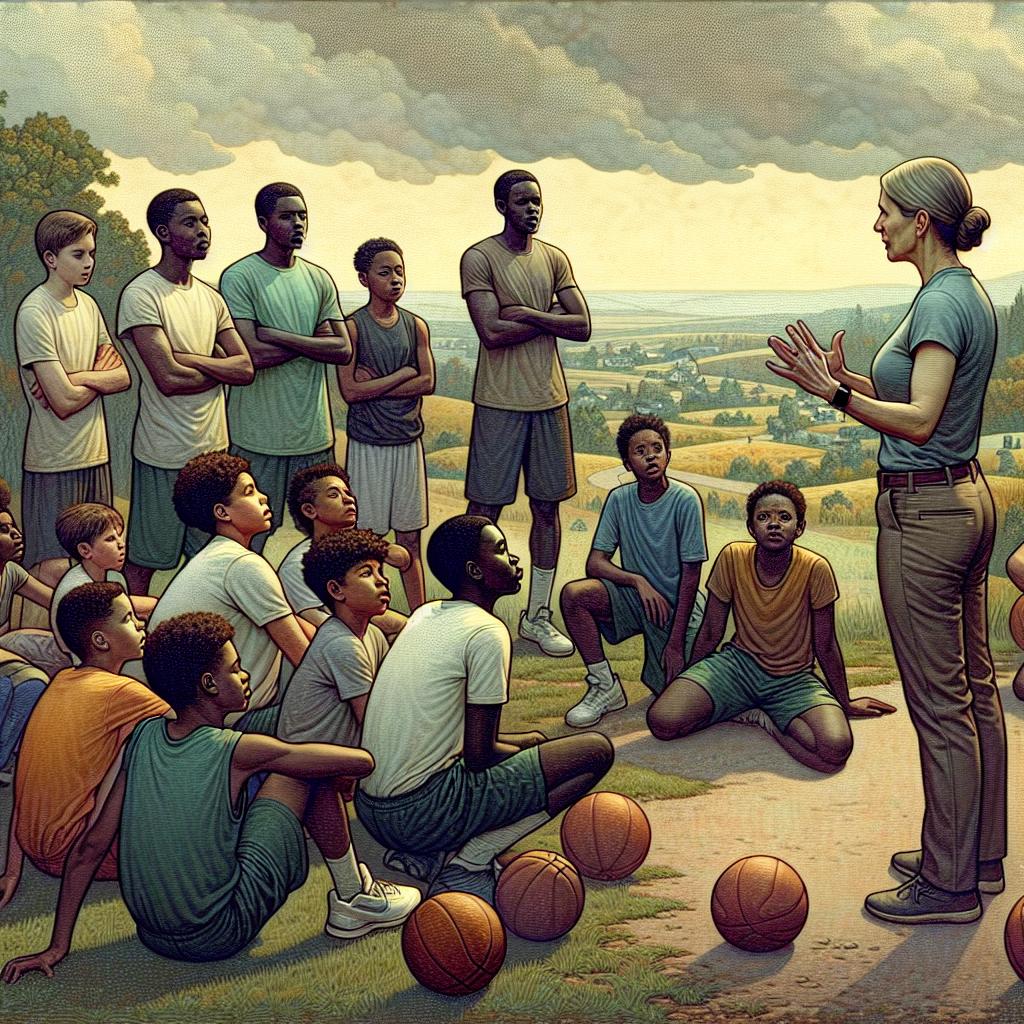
x,y
542,582
602,672
345,873
480,851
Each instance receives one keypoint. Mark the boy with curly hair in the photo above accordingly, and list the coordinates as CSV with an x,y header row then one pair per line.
x,y
203,867
215,492
321,502
782,598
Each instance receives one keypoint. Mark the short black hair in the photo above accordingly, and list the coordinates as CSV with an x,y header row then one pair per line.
x,y
301,490
454,543
267,197
503,186
180,650
330,557
633,425
369,249
162,206
5,495
783,488
82,610
204,481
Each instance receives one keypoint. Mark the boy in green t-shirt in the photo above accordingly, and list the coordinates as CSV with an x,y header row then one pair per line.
x,y
202,869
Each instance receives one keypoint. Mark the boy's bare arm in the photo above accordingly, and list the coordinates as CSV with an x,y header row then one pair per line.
x,y
423,382
830,657
257,753
601,567
356,381
263,353
36,591
15,858
171,376
712,628
572,322
481,745
289,636
494,329
108,376
325,346
82,862
398,557
231,365
59,390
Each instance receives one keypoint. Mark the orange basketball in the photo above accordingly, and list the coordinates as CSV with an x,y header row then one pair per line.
x,y
606,835
1017,622
1013,937
453,943
539,896
759,904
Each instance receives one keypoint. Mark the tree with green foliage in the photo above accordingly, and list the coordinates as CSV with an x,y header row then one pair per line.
x,y
789,420
454,379
45,165
837,508
590,431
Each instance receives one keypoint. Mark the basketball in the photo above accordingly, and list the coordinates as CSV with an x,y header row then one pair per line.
x,y
606,835
539,896
759,904
1013,937
1017,622
453,943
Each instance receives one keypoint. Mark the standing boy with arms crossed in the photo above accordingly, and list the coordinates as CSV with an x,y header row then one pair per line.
x,y
510,282
186,348
384,384
286,310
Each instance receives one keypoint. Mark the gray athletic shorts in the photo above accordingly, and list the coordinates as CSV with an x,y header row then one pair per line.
x,y
504,440
45,495
390,485
273,474
156,536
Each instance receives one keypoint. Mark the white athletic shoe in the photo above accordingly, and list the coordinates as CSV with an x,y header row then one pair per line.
x,y
755,716
542,632
379,905
599,699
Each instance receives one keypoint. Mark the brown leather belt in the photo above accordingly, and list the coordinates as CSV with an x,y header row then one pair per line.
x,y
928,477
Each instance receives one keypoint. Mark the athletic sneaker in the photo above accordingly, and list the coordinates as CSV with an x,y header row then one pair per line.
x,y
456,878
918,902
990,874
599,699
421,866
379,905
543,633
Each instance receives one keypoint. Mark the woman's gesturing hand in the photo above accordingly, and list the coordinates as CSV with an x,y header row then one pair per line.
x,y
805,362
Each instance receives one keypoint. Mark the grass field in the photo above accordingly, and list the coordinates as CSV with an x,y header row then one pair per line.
x,y
715,459
689,433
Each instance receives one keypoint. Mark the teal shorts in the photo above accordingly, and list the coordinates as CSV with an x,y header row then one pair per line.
x,y
455,805
272,863
156,536
628,619
735,682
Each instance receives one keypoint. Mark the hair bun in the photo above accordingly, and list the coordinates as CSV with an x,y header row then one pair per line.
x,y
972,227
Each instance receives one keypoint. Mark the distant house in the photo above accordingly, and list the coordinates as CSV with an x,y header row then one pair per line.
x,y
702,351
685,372
619,361
826,414
656,408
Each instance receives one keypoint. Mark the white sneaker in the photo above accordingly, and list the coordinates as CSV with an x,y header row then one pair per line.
x,y
755,716
597,702
542,632
379,905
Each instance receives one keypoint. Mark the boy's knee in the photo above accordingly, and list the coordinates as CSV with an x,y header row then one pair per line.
x,y
663,726
572,594
834,747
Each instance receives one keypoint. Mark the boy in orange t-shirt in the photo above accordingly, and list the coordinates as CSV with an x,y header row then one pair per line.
x,y
782,599
86,713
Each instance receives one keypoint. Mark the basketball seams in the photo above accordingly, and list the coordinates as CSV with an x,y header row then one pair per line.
x,y
428,958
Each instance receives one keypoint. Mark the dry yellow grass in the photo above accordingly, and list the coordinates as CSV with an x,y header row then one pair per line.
x,y
687,433
715,459
446,414
758,413
762,352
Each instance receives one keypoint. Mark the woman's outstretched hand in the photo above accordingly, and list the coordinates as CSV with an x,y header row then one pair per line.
x,y
805,362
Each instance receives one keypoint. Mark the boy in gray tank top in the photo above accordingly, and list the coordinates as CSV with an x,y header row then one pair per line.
x,y
384,384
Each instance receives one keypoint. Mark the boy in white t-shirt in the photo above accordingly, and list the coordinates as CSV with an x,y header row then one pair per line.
x,y
93,535
184,343
66,362
448,786
216,493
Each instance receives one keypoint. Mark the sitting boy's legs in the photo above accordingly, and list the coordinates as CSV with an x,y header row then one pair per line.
x,y
809,723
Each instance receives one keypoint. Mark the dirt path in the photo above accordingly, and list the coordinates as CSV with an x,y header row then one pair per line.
x,y
839,833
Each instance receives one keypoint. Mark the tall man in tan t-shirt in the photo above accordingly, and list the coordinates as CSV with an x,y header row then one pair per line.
x,y
521,297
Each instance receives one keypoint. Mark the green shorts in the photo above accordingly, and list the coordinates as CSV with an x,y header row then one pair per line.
x,y
272,863
628,619
736,682
504,440
156,536
455,805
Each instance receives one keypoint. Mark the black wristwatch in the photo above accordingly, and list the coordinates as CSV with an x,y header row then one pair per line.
x,y
841,398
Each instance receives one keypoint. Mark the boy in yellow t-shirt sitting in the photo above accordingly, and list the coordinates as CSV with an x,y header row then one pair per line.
x,y
782,598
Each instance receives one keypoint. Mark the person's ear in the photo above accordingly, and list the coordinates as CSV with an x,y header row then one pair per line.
x,y
800,528
336,590
473,571
221,513
308,509
501,206
99,640
84,550
363,279
208,684
50,259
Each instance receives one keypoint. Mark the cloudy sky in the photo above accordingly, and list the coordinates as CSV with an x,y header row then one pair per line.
x,y
679,145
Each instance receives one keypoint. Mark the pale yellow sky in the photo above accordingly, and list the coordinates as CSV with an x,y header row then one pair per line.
x,y
622,231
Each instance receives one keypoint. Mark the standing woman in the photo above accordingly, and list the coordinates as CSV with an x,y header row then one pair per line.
x,y
936,524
